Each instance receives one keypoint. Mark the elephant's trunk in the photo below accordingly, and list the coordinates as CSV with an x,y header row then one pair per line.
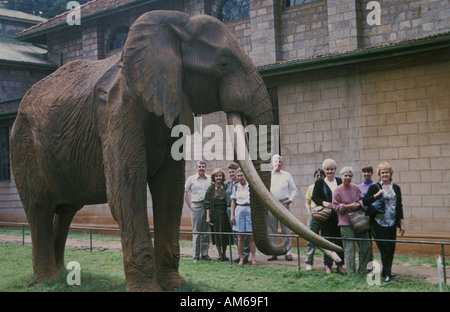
x,y
261,199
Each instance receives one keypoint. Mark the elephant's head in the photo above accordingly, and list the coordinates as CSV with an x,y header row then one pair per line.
x,y
178,66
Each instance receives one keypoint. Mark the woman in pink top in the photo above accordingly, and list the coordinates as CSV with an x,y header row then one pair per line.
x,y
348,198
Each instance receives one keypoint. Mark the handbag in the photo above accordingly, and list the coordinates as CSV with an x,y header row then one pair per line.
x,y
378,206
360,222
321,213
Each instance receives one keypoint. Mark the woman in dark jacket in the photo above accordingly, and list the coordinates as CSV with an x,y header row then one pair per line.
x,y
216,212
323,196
385,224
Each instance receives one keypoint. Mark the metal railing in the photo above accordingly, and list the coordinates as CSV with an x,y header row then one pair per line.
x,y
231,240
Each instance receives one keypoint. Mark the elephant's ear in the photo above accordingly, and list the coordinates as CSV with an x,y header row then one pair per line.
x,y
152,64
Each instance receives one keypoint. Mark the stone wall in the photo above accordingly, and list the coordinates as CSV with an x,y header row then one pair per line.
x,y
304,31
405,20
15,82
369,114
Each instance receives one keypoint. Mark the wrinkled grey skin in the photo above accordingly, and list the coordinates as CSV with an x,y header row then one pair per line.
x,y
100,131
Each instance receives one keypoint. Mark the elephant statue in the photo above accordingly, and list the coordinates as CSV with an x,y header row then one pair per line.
x,y
100,132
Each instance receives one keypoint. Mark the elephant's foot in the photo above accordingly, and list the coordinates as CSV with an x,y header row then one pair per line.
x,y
171,280
46,275
151,286
61,267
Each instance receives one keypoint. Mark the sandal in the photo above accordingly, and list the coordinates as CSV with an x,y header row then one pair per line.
x,y
254,262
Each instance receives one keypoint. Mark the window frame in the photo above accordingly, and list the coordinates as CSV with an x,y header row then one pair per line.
x,y
299,4
112,37
5,162
237,17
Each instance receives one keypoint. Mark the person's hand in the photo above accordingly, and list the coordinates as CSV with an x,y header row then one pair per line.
x,y
208,220
327,204
356,206
379,193
233,220
401,231
353,206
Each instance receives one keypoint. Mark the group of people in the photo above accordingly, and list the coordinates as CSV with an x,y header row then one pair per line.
x,y
222,205
225,207
343,197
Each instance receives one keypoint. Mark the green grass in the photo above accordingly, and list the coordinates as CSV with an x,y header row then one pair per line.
x,y
103,272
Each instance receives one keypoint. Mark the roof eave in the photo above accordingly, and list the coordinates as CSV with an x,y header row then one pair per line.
x,y
29,36
355,57
29,65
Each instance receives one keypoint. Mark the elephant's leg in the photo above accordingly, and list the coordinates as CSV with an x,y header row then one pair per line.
x,y
126,179
138,253
61,223
167,189
40,219
128,207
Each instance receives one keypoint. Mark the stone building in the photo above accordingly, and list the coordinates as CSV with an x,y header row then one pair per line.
x,y
358,81
21,65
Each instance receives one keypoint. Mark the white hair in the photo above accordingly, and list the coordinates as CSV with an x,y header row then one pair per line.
x,y
276,156
347,169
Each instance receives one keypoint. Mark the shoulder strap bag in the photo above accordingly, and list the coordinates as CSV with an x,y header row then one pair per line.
x,y
378,206
321,213
360,222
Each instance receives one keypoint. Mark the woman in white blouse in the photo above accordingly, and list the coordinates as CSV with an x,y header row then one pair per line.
x,y
241,217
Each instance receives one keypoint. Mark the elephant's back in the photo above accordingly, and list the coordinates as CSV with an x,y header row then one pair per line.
x,y
69,85
58,120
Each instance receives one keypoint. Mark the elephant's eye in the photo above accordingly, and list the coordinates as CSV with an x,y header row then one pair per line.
x,y
222,65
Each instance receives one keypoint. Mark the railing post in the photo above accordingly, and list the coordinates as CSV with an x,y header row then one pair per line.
x,y
443,263
230,238
298,252
23,234
90,238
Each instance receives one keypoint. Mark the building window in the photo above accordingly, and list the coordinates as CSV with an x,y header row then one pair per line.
x,y
4,154
273,95
234,10
12,29
118,38
292,3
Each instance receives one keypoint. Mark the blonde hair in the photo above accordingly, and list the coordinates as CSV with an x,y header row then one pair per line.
x,y
327,163
385,166
216,171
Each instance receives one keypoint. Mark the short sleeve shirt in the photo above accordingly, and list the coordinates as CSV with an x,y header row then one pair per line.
x,y
241,194
197,187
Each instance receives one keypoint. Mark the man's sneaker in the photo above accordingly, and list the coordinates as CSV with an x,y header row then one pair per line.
x,y
308,267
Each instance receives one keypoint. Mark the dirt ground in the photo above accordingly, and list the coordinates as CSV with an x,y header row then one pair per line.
x,y
423,272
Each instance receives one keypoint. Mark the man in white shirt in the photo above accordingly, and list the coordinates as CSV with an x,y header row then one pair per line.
x,y
284,189
197,185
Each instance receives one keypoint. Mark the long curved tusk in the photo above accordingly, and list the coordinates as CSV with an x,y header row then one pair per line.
x,y
274,205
